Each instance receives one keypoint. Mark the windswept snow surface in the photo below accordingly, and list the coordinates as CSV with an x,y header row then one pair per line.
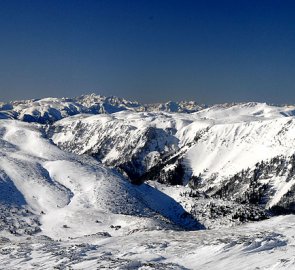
x,y
263,245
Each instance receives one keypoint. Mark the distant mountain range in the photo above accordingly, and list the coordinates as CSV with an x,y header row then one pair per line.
x,y
49,110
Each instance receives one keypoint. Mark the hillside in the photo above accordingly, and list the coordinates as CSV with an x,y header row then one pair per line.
x,y
66,193
205,149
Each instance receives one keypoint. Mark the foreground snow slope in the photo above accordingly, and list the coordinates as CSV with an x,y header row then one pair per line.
x,y
264,245
72,195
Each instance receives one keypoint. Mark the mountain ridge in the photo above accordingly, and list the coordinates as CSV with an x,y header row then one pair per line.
x,y
48,110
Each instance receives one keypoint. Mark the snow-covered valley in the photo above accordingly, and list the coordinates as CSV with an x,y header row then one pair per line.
x,y
96,182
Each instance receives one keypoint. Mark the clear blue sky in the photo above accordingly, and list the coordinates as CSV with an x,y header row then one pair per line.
x,y
149,50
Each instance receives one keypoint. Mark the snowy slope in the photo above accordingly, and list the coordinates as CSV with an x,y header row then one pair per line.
x,y
250,111
72,195
264,245
129,140
213,144
228,148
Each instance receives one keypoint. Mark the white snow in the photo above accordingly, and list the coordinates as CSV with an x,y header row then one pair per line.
x,y
264,245
92,218
218,142
75,196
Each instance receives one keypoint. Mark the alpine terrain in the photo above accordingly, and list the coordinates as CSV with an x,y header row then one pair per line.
x,y
97,182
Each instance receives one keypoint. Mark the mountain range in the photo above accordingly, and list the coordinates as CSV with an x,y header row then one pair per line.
x,y
100,168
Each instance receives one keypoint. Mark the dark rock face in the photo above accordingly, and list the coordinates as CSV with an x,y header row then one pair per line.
x,y
172,176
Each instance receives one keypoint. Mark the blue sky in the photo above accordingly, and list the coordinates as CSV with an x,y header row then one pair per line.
x,y
208,51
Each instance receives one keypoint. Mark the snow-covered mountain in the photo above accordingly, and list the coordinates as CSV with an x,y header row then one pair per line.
x,y
49,110
65,191
131,141
205,149
69,174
